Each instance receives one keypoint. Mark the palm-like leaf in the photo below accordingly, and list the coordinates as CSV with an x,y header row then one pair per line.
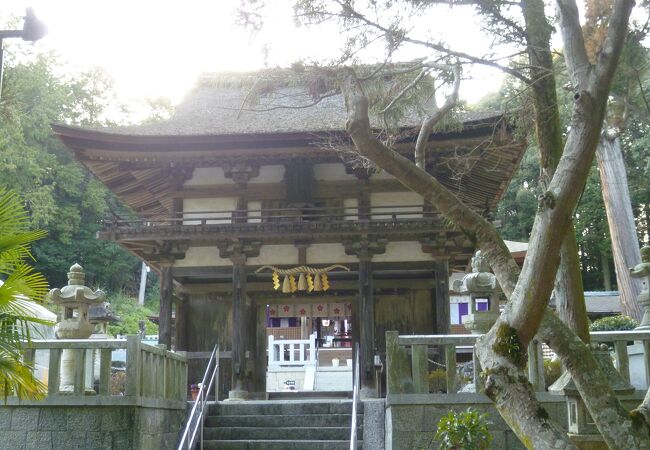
x,y
16,311
17,378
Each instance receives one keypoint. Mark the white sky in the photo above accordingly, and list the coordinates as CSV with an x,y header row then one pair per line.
x,y
159,48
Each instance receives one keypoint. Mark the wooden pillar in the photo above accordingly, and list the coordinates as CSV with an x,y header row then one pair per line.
x,y
165,317
182,309
259,372
363,325
441,276
367,316
239,322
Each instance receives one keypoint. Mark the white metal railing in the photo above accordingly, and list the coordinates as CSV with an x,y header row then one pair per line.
x,y
416,348
292,352
355,400
196,418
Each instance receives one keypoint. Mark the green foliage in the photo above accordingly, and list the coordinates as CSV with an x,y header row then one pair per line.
x,y
20,284
466,430
552,370
438,381
57,192
613,323
517,209
131,314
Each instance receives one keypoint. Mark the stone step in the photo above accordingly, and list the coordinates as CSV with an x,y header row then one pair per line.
x,y
283,433
312,395
310,420
287,407
278,445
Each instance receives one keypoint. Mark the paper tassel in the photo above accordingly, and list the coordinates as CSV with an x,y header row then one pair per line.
x,y
286,285
292,283
310,283
302,282
276,281
326,283
318,286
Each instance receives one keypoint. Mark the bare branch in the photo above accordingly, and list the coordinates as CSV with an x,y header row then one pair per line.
x,y
421,182
403,92
351,13
431,121
276,107
612,47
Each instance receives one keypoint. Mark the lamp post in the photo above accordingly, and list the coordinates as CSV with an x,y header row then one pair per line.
x,y
32,31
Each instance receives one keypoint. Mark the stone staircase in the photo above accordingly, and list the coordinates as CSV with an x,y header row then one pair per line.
x,y
322,424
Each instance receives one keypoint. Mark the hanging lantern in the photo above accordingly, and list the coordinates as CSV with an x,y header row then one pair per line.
x,y
310,283
286,285
302,282
276,281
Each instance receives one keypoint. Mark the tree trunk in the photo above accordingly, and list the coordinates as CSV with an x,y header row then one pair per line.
x,y
618,429
606,271
569,290
503,350
622,229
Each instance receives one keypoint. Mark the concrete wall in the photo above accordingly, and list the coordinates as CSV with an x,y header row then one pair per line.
x,y
88,427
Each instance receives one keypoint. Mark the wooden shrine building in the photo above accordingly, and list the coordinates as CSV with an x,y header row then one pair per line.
x,y
220,192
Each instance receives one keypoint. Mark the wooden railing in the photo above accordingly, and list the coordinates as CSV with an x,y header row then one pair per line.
x,y
152,375
292,352
410,358
322,214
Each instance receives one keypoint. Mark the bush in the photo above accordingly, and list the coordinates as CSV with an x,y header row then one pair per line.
x,y
613,323
438,381
118,383
467,430
552,371
130,314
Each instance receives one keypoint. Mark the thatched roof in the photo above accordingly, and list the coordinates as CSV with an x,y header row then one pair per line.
x,y
228,104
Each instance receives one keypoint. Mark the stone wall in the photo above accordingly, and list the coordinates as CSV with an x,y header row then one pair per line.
x,y
44,427
157,429
411,419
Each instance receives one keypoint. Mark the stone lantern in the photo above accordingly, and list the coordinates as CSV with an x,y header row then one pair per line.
x,y
642,271
480,285
581,426
75,299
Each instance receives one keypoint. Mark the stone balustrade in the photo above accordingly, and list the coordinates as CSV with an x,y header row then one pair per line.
x,y
408,359
153,377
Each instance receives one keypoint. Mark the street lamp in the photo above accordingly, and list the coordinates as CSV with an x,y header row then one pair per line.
x,y
32,31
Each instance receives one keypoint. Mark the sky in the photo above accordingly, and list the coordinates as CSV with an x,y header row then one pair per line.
x,y
159,48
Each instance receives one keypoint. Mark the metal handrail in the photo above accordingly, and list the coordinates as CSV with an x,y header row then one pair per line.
x,y
196,417
355,400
